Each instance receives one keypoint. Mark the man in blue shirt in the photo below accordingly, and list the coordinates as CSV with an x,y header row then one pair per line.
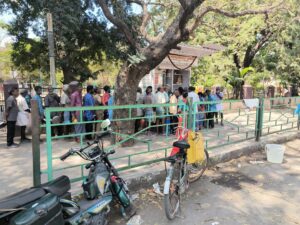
x,y
89,115
211,108
38,98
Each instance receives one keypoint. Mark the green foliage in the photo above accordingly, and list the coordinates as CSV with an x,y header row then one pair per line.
x,y
5,63
81,37
245,71
243,33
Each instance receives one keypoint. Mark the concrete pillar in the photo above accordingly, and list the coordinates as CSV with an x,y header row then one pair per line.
x,y
271,91
248,91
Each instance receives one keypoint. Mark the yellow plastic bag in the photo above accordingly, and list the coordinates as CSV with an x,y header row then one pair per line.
x,y
196,152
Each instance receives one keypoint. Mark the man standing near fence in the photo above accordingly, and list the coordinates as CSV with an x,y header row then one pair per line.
x,y
195,98
23,115
174,111
219,106
38,98
12,111
89,115
76,101
53,100
66,102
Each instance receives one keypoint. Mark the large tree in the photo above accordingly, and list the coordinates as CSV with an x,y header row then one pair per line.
x,y
183,18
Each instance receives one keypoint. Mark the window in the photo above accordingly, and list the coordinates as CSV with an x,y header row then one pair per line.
x,y
178,77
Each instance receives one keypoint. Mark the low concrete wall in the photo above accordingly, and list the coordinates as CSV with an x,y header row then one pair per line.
x,y
217,156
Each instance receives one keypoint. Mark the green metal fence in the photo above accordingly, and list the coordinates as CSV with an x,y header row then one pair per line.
x,y
126,160
279,115
154,141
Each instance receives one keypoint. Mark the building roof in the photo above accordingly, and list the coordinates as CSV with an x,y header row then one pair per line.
x,y
184,56
197,51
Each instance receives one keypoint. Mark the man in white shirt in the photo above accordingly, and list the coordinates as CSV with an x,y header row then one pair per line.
x,y
173,110
193,95
23,119
160,98
219,106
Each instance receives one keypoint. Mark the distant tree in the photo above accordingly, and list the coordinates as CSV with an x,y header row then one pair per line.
x,y
5,63
244,38
81,37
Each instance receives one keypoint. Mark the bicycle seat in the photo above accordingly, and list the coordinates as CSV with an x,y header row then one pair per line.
x,y
181,144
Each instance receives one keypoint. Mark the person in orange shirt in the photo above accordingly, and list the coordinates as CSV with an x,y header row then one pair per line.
x,y
105,99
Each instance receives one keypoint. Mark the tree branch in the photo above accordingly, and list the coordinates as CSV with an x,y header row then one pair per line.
x,y
208,9
183,3
145,20
236,60
118,23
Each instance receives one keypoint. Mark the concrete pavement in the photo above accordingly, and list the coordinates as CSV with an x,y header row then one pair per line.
x,y
235,193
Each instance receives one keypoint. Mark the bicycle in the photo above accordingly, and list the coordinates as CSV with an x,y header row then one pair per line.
x,y
180,174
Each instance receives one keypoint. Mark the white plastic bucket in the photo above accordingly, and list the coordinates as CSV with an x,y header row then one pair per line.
x,y
275,153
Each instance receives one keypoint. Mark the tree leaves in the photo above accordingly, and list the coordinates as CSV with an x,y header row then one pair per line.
x,y
80,37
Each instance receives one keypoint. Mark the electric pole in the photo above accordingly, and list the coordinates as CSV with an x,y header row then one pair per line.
x,y
51,50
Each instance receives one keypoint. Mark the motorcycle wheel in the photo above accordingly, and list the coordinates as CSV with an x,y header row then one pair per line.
x,y
99,219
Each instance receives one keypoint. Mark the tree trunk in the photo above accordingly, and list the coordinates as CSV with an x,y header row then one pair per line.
x,y
242,90
68,75
125,94
294,90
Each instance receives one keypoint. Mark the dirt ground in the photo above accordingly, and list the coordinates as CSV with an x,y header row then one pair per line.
x,y
239,192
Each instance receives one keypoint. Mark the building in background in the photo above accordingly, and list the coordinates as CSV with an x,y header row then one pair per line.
x,y
175,70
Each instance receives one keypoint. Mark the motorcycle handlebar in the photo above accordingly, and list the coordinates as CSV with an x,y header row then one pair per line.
x,y
66,155
70,152
104,134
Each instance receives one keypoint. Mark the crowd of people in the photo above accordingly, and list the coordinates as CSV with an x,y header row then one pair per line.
x,y
206,114
18,109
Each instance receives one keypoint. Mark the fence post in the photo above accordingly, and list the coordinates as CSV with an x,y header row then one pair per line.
x,y
259,119
35,127
190,121
49,145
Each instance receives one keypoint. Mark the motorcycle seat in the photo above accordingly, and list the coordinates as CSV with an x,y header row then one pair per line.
x,y
59,186
181,144
21,198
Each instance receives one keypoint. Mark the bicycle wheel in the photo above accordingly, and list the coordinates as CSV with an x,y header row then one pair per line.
x,y
196,170
171,192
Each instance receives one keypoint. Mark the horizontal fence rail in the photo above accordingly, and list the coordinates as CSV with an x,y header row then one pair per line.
x,y
155,129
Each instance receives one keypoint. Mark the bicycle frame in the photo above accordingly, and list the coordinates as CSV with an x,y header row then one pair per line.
x,y
182,162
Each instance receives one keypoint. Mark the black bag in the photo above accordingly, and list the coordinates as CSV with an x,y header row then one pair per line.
x,y
46,211
2,124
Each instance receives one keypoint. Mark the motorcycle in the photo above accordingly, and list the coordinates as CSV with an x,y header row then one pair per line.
x,y
51,202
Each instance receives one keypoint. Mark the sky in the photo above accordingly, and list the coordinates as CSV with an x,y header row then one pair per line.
x,y
5,17
8,16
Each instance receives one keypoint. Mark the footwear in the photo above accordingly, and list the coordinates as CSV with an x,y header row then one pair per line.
x,y
222,124
25,140
13,146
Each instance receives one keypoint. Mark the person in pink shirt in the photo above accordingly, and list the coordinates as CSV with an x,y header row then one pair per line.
x,y
76,101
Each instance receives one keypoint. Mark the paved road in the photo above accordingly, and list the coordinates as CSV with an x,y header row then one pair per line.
x,y
236,193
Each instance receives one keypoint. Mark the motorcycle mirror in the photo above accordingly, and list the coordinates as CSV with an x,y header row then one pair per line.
x,y
105,124
75,149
